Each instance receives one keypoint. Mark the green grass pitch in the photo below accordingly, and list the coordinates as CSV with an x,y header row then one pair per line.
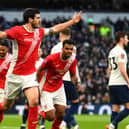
x,y
85,122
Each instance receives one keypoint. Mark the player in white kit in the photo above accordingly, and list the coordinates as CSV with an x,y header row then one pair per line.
x,y
118,80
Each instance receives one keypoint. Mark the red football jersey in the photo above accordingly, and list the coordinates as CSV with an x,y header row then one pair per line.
x,y
55,68
25,49
4,66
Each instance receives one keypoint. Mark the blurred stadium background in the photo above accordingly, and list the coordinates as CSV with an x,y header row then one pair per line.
x,y
94,37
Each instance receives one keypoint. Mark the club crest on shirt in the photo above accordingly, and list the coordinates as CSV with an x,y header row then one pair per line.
x,y
122,56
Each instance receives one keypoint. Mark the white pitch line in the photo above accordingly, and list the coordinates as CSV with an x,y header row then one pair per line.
x,y
10,127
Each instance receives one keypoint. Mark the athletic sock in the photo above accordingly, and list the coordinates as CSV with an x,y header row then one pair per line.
x,y
113,116
73,121
56,124
120,116
70,112
33,117
25,116
42,122
1,113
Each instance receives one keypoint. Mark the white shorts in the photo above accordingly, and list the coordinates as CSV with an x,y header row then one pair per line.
x,y
49,99
14,84
1,95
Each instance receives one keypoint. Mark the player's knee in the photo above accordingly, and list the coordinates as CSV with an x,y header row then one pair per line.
x,y
60,116
6,107
33,102
50,117
127,105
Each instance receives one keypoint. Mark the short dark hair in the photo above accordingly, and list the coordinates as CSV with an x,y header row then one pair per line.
x,y
4,42
70,42
30,13
120,34
66,31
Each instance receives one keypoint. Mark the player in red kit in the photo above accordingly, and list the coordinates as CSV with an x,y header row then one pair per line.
x,y
5,59
22,71
53,94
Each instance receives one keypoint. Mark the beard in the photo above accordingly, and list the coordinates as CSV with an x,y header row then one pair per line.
x,y
2,56
35,26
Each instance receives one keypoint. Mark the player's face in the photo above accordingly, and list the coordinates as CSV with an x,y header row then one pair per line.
x,y
3,51
36,21
126,40
67,50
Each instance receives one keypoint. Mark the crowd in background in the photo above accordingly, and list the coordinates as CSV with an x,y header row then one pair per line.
x,y
90,5
93,42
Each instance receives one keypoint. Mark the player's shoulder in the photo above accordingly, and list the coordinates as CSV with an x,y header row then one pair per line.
x,y
18,27
54,56
56,48
115,50
58,45
73,57
41,28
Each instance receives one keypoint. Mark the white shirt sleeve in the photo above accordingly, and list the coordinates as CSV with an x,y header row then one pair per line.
x,y
53,50
46,31
121,57
56,48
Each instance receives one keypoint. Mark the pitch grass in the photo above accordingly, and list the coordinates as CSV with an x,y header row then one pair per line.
x,y
85,122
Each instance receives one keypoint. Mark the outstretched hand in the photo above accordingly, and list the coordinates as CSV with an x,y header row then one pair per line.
x,y
77,17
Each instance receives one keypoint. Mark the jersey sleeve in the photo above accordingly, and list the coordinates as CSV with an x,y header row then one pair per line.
x,y
12,33
46,62
46,31
121,57
72,68
54,50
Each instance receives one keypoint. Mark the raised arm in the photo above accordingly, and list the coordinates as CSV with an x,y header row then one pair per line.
x,y
3,35
59,27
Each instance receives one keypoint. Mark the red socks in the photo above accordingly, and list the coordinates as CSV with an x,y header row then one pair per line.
x,y
42,113
33,117
56,124
1,113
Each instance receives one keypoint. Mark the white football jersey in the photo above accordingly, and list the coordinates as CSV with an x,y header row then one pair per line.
x,y
58,48
117,55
